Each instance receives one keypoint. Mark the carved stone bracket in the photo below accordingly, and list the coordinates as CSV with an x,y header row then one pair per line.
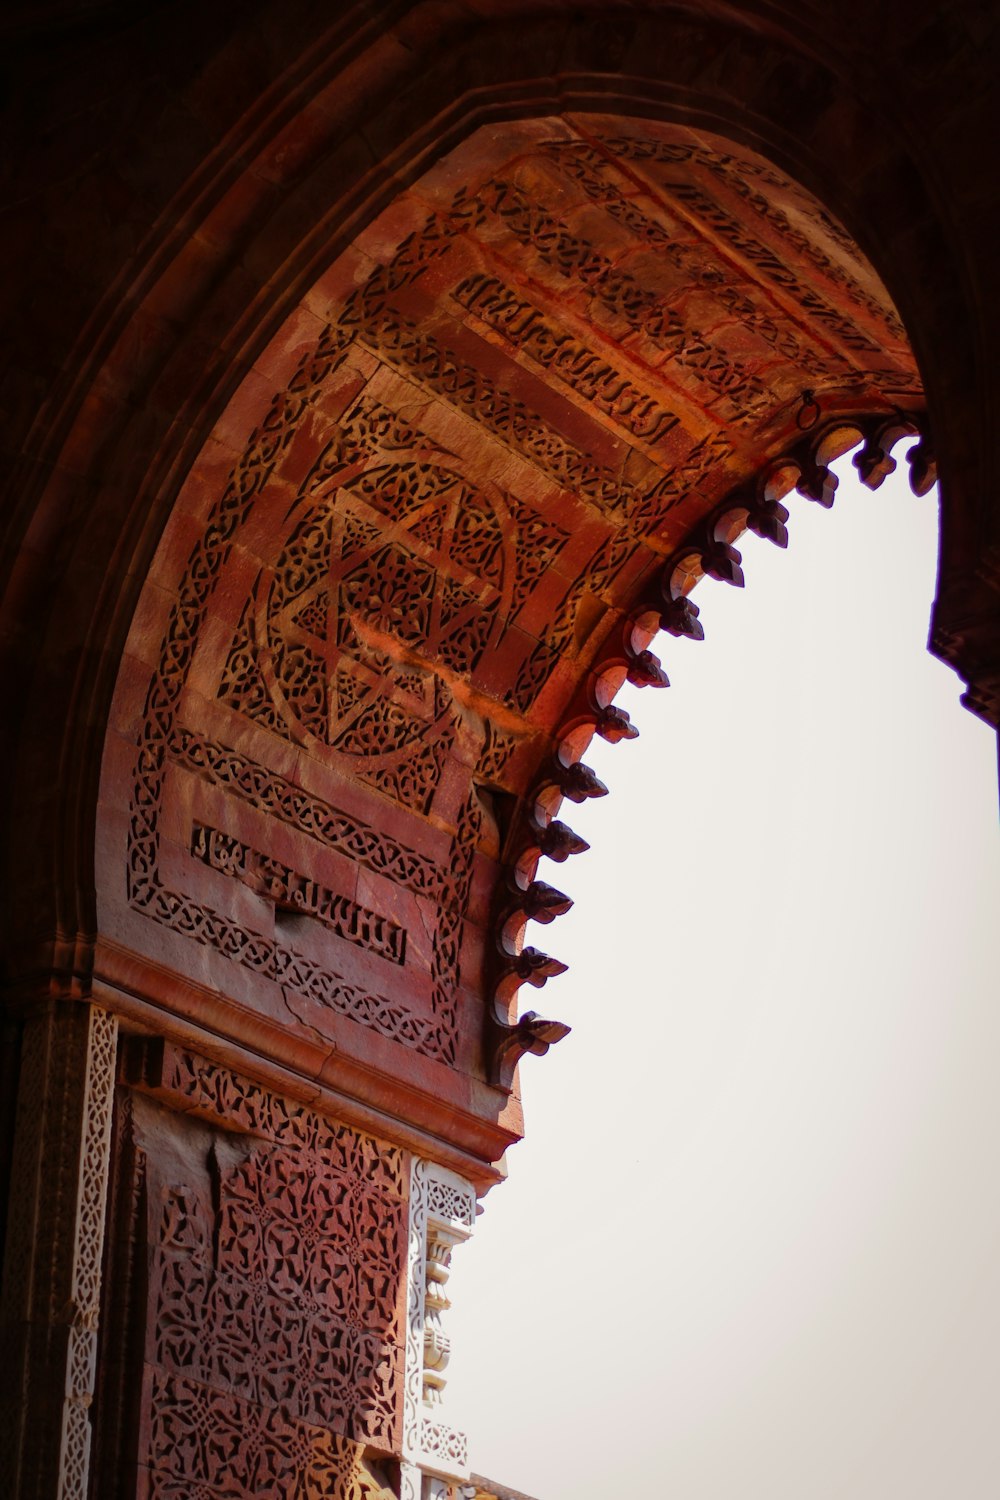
x,y
442,1215
707,551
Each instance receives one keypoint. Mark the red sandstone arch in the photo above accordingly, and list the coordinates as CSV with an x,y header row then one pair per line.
x,y
179,318
434,529
315,132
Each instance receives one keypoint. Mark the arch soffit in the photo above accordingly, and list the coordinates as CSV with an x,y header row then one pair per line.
x,y
417,557
321,153
227,258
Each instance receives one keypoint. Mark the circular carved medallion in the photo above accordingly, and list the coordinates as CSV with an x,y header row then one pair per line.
x,y
385,588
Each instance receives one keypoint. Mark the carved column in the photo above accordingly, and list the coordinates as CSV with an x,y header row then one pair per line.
x,y
52,1261
442,1215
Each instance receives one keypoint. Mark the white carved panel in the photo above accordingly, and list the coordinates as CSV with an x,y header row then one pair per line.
x,y
442,1215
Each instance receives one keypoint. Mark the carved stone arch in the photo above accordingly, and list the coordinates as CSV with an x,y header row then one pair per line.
x,y
309,159
314,373
428,538
411,564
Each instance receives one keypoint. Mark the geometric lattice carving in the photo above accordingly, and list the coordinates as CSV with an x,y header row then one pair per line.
x,y
349,618
86,1283
450,1198
277,1294
414,780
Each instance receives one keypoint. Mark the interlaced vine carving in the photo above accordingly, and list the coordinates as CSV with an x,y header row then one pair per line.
x,y
498,746
540,541
242,685
278,1316
281,799
533,674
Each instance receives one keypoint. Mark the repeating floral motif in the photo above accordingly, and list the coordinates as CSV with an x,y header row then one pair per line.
x,y
193,1085
210,1445
277,1336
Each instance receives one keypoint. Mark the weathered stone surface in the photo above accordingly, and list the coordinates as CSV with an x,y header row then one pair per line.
x,y
535,371
376,384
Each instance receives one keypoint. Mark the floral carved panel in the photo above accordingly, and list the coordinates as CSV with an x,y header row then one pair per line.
x,y
274,1347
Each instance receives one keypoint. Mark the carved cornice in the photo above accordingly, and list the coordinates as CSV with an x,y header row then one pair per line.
x,y
666,606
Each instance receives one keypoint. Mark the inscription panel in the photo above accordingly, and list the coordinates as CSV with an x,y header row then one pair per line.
x,y
298,895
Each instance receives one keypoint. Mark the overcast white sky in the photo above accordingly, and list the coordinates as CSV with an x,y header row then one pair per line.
x,y
750,1246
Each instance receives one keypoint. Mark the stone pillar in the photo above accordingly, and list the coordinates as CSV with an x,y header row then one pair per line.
x,y
442,1215
52,1262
